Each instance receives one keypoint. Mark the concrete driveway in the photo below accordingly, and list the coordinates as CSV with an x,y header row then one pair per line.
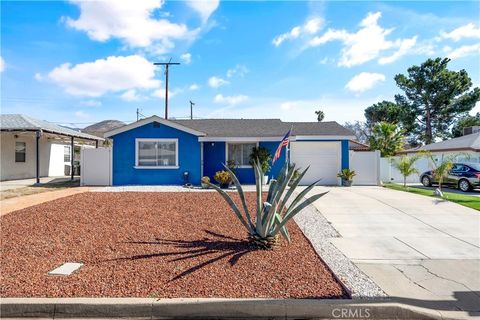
x,y
419,249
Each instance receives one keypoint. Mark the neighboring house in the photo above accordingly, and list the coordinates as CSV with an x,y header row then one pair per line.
x,y
466,148
155,151
35,148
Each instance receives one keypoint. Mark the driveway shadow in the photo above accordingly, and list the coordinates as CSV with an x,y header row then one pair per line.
x,y
220,247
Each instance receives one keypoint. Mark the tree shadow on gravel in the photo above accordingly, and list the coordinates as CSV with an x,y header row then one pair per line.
x,y
229,247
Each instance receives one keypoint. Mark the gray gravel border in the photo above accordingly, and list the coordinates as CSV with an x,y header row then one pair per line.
x,y
319,231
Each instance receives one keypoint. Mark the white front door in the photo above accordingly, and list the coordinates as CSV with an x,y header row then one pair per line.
x,y
323,157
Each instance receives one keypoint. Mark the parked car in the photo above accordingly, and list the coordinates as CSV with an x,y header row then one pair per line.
x,y
465,176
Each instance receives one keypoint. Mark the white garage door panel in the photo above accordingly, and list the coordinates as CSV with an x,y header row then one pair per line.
x,y
324,159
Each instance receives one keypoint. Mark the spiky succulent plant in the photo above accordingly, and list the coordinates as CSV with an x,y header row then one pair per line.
x,y
271,215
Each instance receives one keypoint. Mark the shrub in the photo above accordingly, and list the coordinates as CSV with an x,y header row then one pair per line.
x,y
347,174
272,215
263,156
223,177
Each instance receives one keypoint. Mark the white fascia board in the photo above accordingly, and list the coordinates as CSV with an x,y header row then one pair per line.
x,y
150,120
324,137
238,139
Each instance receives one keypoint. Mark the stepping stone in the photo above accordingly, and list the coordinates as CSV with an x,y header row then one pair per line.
x,y
65,269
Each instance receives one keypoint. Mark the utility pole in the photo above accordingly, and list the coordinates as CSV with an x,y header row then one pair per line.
x,y
166,64
138,111
191,109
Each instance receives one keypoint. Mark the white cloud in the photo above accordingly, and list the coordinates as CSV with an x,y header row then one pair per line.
x,y
311,26
404,47
336,108
186,58
112,74
467,31
216,82
194,87
160,93
38,76
462,51
364,81
2,64
366,44
91,103
239,70
230,100
204,7
130,95
130,21
82,115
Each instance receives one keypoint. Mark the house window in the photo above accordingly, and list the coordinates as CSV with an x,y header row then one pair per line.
x,y
20,151
157,153
240,153
66,154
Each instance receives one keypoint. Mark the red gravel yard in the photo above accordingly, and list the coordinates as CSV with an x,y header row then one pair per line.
x,y
162,245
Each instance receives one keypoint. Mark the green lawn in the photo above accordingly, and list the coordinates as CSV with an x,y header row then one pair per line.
x,y
465,200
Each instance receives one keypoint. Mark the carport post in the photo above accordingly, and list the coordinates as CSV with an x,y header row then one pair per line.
x,y
38,134
72,152
96,143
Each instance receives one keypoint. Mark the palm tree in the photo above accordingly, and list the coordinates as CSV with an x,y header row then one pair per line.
x,y
441,168
320,115
406,166
387,138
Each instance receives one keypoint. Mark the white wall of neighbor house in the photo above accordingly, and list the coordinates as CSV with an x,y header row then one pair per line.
x,y
52,162
388,173
366,165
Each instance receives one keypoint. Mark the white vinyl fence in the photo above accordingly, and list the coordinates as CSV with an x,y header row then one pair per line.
x,y
366,165
96,167
388,173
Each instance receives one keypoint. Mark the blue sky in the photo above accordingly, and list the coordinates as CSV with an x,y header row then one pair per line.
x,y
81,62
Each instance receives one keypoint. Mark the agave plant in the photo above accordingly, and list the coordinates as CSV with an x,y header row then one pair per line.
x,y
271,215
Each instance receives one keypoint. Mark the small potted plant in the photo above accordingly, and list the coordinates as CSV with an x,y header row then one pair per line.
x,y
205,182
223,178
264,158
347,177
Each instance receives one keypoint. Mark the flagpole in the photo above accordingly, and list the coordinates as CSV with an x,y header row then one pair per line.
x,y
287,150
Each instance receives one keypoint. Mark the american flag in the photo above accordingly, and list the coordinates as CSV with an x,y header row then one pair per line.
x,y
282,144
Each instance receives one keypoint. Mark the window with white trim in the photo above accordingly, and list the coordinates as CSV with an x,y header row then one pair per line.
x,y
66,154
161,153
240,153
20,151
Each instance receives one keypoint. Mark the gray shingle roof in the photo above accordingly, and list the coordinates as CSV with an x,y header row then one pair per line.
x,y
14,122
467,142
263,127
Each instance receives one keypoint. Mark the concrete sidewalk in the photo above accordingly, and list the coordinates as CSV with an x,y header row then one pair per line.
x,y
17,203
414,247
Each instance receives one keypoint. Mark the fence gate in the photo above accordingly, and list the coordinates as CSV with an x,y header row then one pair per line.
x,y
96,167
366,165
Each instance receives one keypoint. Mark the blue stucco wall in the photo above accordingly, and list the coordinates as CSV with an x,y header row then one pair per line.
x,y
124,172
345,155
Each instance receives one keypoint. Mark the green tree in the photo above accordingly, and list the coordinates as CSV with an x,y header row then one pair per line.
x,y
434,97
387,138
466,121
406,166
320,115
385,111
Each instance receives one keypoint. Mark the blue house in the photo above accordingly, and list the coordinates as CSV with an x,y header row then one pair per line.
x,y
155,151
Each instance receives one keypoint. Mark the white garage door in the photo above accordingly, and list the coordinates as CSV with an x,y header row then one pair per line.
x,y
324,159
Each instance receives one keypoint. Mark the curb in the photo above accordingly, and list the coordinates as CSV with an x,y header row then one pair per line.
x,y
218,308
